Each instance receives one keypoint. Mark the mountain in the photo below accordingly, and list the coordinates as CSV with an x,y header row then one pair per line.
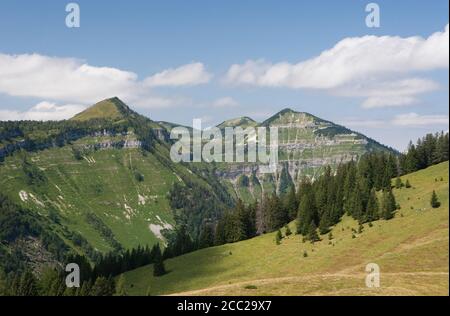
x,y
97,183
104,181
410,249
306,145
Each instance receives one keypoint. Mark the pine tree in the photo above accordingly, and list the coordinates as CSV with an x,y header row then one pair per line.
x,y
434,200
372,210
388,205
307,210
398,183
407,184
158,266
312,233
206,238
278,237
325,222
291,203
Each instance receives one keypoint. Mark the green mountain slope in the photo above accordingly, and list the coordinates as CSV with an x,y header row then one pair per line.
x,y
112,109
411,251
105,175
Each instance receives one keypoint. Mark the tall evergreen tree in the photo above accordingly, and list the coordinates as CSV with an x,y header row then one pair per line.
x,y
158,266
307,211
312,232
372,210
389,205
206,238
291,203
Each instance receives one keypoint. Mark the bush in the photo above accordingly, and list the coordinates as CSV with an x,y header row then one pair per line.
x,y
288,231
138,176
278,237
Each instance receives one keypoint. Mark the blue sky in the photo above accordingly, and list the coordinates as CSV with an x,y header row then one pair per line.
x,y
173,60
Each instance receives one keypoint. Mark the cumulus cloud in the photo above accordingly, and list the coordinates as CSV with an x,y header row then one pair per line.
x,y
389,93
187,75
43,111
372,59
73,80
414,119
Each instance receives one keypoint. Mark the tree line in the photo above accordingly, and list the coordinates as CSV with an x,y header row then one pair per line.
x,y
428,150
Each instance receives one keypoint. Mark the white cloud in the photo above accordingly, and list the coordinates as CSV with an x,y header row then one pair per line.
x,y
71,80
187,75
414,119
225,102
389,93
406,120
43,111
375,60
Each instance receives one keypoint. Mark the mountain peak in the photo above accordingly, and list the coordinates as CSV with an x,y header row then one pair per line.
x,y
290,115
112,109
243,121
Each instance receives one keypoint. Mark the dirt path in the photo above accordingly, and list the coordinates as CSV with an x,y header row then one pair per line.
x,y
302,278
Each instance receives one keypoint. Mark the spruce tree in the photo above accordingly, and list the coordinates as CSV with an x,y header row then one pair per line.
x,y
388,205
372,210
291,203
312,233
325,222
158,266
307,210
278,237
407,184
434,200
206,238
398,183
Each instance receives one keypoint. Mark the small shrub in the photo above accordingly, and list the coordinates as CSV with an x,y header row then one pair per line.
x,y
288,231
434,200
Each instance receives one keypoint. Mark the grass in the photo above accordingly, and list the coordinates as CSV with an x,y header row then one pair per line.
x,y
411,251
104,183
104,109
